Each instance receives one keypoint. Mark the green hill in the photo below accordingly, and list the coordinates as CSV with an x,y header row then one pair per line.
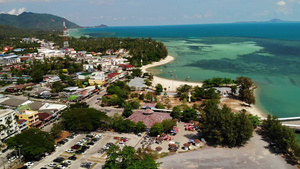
x,y
28,20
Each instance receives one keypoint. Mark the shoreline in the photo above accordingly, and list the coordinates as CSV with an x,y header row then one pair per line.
x,y
171,85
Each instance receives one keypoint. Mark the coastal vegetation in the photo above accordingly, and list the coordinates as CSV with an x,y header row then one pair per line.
x,y
223,127
283,137
217,82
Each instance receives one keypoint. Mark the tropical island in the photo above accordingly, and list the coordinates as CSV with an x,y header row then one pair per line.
x,y
96,96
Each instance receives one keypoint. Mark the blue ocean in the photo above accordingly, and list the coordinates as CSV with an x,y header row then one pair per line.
x,y
269,53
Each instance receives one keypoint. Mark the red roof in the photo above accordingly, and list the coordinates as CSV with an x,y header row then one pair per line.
x,y
111,75
21,121
44,116
149,120
128,66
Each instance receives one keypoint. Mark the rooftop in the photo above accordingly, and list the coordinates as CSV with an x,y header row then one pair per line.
x,y
4,112
149,119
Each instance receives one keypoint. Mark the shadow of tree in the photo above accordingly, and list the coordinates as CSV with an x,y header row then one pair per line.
x,y
275,150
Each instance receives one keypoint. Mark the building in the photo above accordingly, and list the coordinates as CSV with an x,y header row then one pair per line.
x,y
8,123
22,124
149,117
31,116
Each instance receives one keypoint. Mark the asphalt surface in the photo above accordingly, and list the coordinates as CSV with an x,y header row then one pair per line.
x,y
94,103
255,155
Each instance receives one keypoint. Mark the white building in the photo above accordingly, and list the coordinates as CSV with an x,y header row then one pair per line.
x,y
8,122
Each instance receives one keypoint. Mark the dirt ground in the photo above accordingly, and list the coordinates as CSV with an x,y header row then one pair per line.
x,y
63,135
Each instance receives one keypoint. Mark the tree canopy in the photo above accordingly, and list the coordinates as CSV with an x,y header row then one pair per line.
x,y
128,158
283,136
33,143
83,119
221,126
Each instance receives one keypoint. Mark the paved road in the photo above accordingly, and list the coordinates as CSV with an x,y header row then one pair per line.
x,y
254,155
94,103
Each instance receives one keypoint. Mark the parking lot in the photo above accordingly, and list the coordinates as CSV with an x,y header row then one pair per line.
x,y
90,156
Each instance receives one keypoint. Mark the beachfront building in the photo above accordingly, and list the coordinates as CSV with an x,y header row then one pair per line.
x,y
8,123
31,116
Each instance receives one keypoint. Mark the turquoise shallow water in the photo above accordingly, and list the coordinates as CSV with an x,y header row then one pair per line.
x,y
269,53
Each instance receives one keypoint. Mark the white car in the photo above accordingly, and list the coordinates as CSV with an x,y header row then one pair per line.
x,y
52,164
68,162
70,151
61,166
29,164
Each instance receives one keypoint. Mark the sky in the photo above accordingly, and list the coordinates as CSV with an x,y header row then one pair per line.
x,y
157,12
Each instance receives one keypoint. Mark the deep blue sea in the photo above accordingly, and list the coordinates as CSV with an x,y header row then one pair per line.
x,y
269,53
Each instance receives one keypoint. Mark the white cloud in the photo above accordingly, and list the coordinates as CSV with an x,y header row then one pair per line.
x,y
16,11
281,3
12,12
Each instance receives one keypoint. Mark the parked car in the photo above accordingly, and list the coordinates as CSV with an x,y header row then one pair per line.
x,y
73,157
70,151
59,159
52,164
29,164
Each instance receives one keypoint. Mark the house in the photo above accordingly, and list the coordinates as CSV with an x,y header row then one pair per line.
x,y
51,78
45,117
83,76
137,84
31,117
149,117
8,120
19,88
11,103
98,78
112,77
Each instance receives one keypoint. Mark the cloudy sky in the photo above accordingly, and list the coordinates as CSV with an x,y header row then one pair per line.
x,y
157,12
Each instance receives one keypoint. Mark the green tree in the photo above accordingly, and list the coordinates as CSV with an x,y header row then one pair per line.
x,y
135,103
56,130
176,113
21,81
136,73
140,127
128,158
83,119
148,82
159,105
37,75
189,114
149,96
283,136
246,92
33,142
142,96
233,89
127,110
168,125
158,89
156,129
79,105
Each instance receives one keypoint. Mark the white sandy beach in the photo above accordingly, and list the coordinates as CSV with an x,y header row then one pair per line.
x,y
170,84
